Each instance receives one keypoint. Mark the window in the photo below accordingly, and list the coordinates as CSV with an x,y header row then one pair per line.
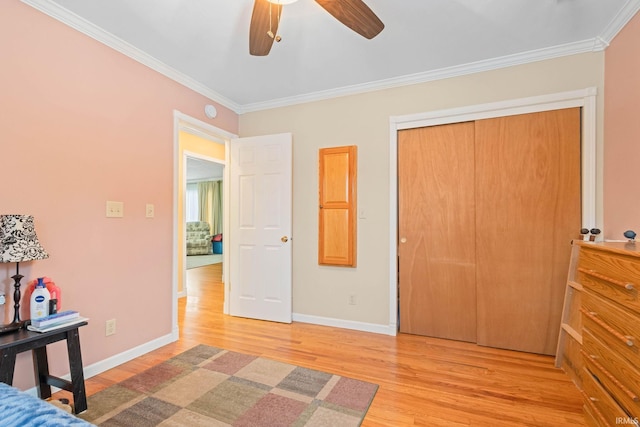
x,y
191,208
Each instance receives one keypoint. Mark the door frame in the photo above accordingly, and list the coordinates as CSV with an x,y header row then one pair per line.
x,y
590,180
186,123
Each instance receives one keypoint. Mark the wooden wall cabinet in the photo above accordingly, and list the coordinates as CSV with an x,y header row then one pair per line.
x,y
337,210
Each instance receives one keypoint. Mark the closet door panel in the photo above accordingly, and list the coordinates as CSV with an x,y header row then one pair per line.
x,y
527,212
436,229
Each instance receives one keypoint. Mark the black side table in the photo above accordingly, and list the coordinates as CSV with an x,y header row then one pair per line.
x,y
23,340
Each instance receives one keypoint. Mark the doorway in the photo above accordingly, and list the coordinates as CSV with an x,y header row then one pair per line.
x,y
196,139
203,211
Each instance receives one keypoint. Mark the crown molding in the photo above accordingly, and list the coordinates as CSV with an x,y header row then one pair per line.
x,y
621,19
590,45
82,25
595,44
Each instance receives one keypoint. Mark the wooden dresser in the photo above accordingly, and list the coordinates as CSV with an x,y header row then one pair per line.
x,y
610,313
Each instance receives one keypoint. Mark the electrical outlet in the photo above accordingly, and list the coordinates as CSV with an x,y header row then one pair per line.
x,y
110,328
150,211
352,299
115,209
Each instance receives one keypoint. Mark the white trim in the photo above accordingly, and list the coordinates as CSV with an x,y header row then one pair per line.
x,y
590,180
127,355
185,123
118,359
90,29
344,324
174,222
590,45
213,178
226,227
202,129
621,19
595,44
510,107
585,98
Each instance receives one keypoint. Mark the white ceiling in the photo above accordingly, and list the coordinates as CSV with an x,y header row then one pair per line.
x,y
204,43
203,170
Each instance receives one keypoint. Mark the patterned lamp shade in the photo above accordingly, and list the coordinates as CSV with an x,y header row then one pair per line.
x,y
18,240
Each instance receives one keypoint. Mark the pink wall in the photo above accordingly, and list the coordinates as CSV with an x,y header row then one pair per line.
x,y
622,132
81,124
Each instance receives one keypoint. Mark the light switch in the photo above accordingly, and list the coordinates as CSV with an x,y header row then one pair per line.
x,y
115,209
150,211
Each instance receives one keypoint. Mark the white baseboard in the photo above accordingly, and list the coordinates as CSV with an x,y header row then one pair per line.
x,y
118,359
125,356
346,324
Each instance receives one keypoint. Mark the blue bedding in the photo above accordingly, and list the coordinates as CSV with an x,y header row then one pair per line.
x,y
19,409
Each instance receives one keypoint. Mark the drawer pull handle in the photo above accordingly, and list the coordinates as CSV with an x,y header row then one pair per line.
x,y
628,286
589,401
613,379
594,316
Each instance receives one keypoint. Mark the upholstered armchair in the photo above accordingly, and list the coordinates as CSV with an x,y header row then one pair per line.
x,y
198,238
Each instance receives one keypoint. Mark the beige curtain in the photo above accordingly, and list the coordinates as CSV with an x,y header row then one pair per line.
x,y
210,203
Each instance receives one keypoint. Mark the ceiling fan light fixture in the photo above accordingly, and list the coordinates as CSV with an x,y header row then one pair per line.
x,y
282,1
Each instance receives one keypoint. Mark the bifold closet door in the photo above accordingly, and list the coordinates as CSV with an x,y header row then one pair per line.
x,y
527,211
437,231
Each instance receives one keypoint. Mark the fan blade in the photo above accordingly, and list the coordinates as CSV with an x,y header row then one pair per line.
x,y
355,15
265,18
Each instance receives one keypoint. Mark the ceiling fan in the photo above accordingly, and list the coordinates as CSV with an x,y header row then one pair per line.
x,y
265,18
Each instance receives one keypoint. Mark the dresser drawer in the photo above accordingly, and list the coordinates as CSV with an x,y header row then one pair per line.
x,y
604,408
614,276
617,376
616,328
590,417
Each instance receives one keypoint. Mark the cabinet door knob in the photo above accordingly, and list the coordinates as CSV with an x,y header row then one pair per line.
x,y
403,240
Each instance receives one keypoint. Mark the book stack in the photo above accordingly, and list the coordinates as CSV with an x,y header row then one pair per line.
x,y
55,321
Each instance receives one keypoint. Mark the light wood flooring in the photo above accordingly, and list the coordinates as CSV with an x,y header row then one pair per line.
x,y
423,381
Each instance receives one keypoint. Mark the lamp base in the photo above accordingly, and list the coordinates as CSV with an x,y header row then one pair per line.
x,y
16,295
12,327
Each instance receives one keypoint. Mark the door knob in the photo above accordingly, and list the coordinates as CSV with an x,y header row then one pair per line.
x,y
403,240
284,239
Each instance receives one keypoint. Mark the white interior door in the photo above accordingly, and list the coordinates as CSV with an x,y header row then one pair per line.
x,y
260,227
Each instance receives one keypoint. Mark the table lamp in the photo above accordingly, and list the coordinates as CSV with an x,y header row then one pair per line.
x,y
18,243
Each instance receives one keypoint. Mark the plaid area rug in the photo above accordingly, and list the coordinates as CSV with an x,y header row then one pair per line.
x,y
208,386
